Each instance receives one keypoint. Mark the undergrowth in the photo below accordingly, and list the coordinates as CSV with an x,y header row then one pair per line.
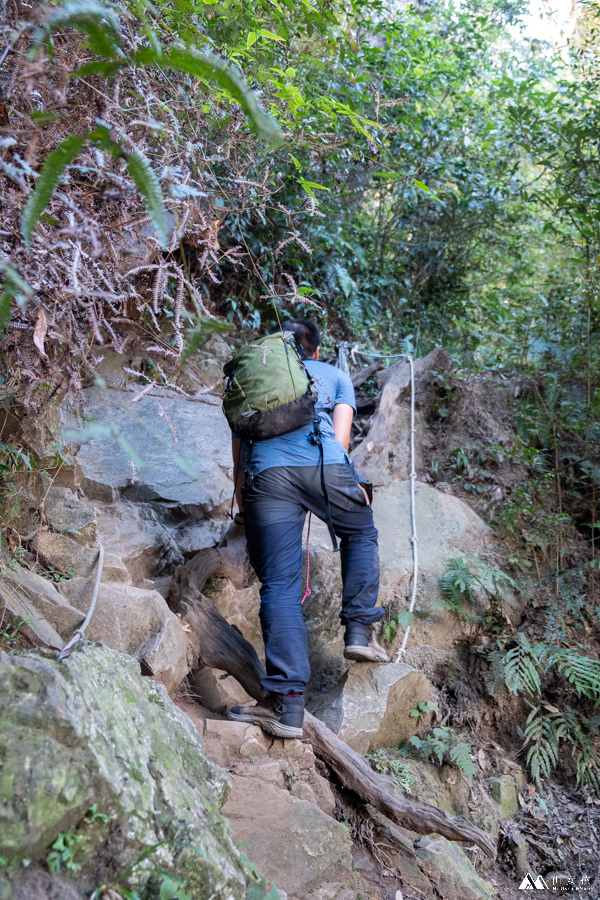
x,y
540,672
442,745
394,768
560,684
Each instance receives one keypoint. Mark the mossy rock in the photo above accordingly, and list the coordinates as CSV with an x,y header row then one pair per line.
x,y
91,733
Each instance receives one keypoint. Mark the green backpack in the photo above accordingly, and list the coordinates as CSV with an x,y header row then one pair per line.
x,y
269,391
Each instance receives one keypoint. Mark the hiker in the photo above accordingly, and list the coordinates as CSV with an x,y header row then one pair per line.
x,y
282,481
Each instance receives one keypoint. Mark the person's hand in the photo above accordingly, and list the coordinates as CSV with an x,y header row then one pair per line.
x,y
239,518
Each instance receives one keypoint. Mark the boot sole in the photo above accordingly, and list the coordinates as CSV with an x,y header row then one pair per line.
x,y
364,654
271,725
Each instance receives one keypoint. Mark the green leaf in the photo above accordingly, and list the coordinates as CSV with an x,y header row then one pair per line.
x,y
423,187
309,186
213,70
171,888
405,618
270,35
148,185
251,39
52,170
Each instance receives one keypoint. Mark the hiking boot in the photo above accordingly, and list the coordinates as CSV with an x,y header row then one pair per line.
x,y
360,644
279,714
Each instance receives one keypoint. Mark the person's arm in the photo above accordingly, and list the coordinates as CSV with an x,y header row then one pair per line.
x,y
342,417
236,452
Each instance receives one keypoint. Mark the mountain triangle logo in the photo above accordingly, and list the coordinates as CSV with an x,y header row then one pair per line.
x,y
531,883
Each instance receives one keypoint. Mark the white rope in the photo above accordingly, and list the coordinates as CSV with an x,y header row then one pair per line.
x,y
413,478
80,633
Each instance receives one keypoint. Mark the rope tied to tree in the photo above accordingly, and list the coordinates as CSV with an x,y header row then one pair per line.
x,y
342,361
80,633
413,518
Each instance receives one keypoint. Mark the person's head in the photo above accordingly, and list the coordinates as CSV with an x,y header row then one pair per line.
x,y
306,334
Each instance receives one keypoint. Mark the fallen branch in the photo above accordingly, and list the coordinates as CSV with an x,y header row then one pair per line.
x,y
221,646
363,375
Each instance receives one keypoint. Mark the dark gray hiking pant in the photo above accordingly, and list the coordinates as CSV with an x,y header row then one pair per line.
x,y
275,506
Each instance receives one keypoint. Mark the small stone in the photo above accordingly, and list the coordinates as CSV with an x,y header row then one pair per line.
x,y
451,872
504,792
219,693
509,767
45,599
266,770
251,748
68,514
134,621
67,557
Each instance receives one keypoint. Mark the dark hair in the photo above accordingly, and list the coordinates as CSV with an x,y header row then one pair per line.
x,y
306,334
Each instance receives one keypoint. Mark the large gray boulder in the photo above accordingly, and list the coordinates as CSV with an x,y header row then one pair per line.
x,y
165,447
290,840
446,528
371,705
138,622
89,745
128,619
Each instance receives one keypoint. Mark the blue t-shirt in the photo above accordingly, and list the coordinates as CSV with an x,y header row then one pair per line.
x,y
295,448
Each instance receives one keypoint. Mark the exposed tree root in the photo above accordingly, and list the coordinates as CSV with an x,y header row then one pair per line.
x,y
221,646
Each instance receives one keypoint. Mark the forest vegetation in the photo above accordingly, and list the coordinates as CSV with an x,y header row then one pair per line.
x,y
406,175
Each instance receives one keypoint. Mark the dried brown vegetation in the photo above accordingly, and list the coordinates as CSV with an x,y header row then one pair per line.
x,y
96,276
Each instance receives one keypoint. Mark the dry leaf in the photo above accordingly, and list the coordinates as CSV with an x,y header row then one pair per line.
x,y
483,762
40,331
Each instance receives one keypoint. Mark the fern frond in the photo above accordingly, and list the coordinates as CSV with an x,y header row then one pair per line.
x,y
436,747
582,735
457,586
49,178
580,671
521,667
492,579
460,754
543,736
148,185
